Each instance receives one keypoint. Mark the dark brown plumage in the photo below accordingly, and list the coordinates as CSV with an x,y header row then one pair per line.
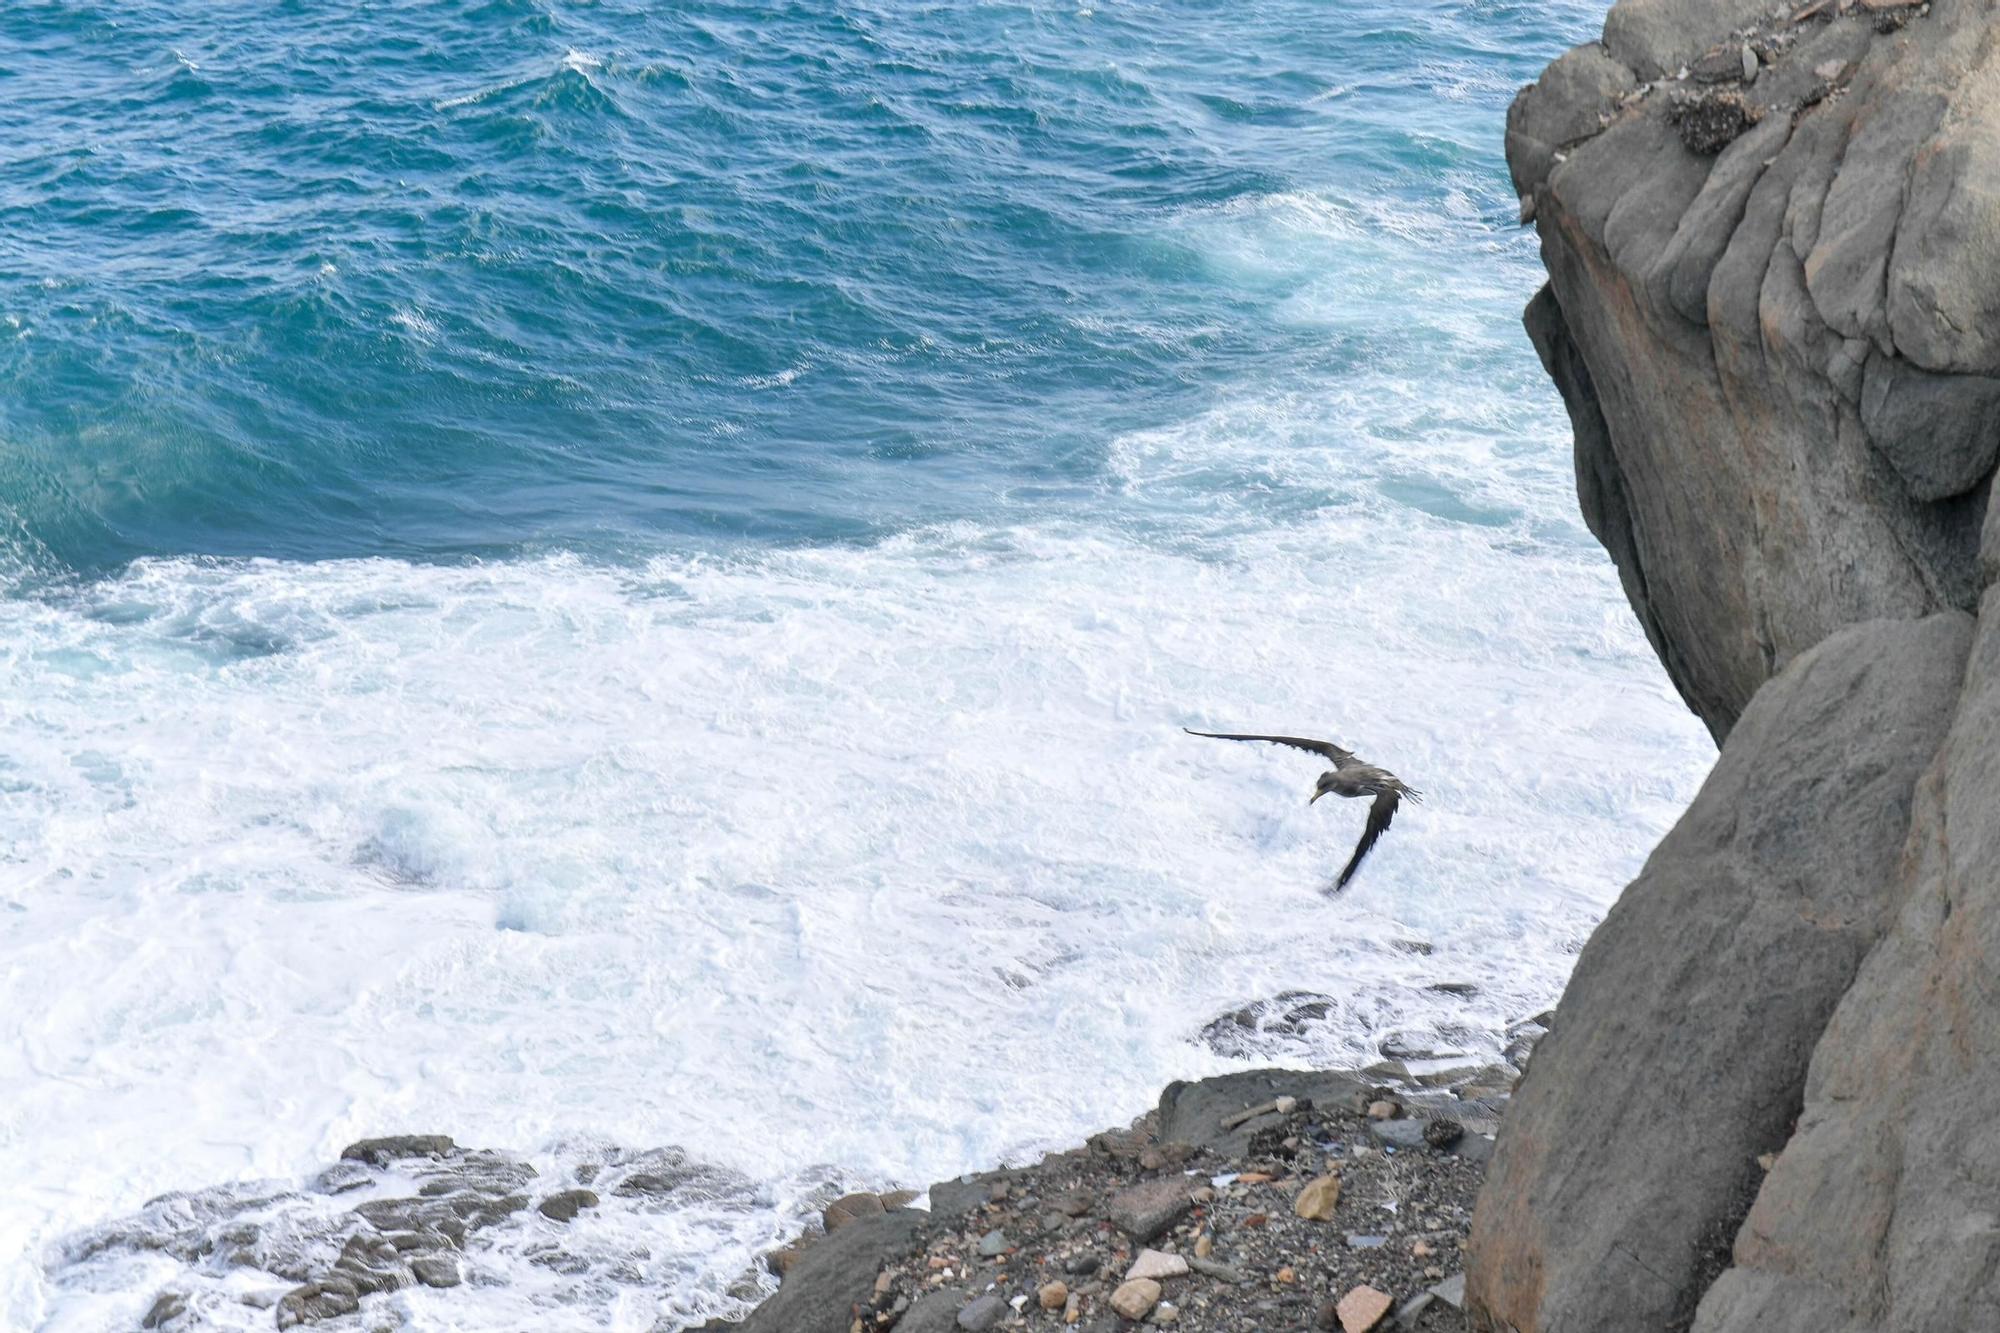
x,y
1348,777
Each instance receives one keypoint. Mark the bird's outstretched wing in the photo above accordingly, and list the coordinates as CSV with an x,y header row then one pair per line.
x,y
1326,748
1379,814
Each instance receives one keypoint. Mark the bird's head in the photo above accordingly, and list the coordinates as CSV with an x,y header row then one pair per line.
x,y
1324,786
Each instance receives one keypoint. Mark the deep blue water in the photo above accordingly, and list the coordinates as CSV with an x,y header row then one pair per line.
x,y
336,278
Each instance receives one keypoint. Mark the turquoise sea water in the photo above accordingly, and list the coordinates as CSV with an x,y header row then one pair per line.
x,y
629,574
339,279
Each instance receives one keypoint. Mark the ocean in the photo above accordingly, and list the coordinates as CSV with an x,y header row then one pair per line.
x,y
626,575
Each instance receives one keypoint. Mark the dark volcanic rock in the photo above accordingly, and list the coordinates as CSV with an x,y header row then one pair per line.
x,y
381,1152
837,1274
564,1206
1195,1113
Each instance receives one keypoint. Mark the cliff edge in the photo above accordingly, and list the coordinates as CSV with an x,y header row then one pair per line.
x,y
1773,310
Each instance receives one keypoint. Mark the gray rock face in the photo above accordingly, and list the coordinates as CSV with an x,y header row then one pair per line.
x,y
1782,368
1629,1154
1779,432
1879,1213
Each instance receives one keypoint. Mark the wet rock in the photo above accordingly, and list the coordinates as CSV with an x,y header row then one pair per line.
x,y
436,1270
850,1208
167,1307
566,1204
993,1244
397,1147
316,1302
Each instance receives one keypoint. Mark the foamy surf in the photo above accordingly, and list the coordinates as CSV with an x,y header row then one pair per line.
x,y
892,859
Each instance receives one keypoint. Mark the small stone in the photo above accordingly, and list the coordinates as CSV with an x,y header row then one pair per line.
x,y
1255,1220
1072,1308
1451,1291
1830,70
1145,1210
1412,1310
982,1314
1328,1317
1362,1309
1204,1245
1154,1264
1359,1241
1286,1105
1136,1298
1286,1276
564,1207
1749,64
1383,1110
884,1280
1152,1159
1082,1265
1421,1250
1765,1161
1166,1312
1221,1272
1318,1199
1053,1296
993,1243
1074,1204
1254,1178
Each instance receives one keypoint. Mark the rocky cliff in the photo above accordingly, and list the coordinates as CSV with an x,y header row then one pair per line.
x,y
1773,309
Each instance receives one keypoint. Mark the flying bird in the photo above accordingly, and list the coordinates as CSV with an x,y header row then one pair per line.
x,y
1348,777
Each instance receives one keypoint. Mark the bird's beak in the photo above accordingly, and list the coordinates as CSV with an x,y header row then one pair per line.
x,y
1316,795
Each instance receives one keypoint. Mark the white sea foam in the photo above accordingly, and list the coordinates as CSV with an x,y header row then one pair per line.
x,y
889,859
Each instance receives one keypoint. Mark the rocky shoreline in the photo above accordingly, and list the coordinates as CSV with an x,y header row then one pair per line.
x,y
1269,1199
1266,1200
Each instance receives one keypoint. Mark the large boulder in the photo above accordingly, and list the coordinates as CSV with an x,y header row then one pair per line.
x,y
1630,1152
1883,1211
